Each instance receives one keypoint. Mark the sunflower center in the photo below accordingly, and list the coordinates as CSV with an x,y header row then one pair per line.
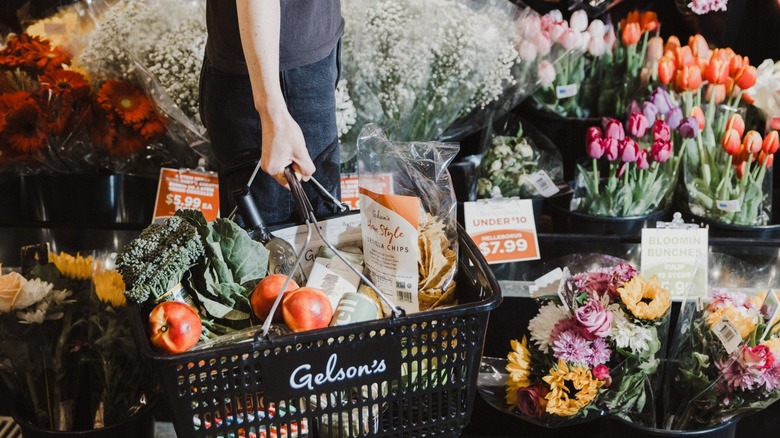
x,y
126,103
569,385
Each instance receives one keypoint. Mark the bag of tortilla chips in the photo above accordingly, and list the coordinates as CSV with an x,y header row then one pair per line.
x,y
409,219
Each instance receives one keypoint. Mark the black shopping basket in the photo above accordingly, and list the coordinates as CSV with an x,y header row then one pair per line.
x,y
405,376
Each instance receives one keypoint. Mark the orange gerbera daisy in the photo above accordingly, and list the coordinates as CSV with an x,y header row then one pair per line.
x,y
65,84
64,95
126,100
24,130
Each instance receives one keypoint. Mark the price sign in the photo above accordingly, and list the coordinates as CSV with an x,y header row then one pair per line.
x,y
186,189
678,258
503,230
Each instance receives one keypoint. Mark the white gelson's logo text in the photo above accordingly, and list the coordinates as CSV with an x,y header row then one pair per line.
x,y
303,377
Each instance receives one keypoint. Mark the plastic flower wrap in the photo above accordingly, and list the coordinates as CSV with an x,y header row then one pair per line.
x,y
633,169
588,351
517,151
66,350
415,68
766,92
728,359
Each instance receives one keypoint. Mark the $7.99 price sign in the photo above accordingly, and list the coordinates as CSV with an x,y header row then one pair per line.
x,y
180,189
503,230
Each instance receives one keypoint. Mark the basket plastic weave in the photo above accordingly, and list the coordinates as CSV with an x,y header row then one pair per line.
x,y
405,376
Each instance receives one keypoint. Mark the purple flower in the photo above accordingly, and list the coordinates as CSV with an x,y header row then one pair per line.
x,y
689,128
661,131
634,107
613,129
629,150
594,318
674,118
661,150
599,352
571,347
662,100
637,124
650,110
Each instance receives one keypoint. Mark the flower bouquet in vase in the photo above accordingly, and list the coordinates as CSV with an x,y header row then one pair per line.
x,y
67,352
597,336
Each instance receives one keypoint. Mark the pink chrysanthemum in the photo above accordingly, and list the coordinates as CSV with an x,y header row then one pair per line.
x,y
570,346
599,352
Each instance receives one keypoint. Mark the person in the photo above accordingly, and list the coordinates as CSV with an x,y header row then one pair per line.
x,y
267,93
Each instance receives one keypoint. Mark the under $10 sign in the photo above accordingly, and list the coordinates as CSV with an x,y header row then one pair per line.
x,y
503,230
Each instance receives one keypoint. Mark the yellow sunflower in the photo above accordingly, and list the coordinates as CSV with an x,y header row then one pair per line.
x,y
745,323
645,299
110,288
77,268
565,379
519,368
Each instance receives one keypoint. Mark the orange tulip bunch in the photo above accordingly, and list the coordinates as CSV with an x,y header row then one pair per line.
x,y
736,192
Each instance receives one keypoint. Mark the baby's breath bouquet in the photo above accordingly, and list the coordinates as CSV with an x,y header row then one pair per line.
x,y
415,68
66,350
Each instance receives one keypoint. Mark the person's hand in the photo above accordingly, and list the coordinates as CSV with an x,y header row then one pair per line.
x,y
283,145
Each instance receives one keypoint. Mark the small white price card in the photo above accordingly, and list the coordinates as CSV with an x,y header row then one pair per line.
x,y
504,230
186,189
678,257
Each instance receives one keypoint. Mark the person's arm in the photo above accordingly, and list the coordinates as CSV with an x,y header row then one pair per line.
x,y
283,141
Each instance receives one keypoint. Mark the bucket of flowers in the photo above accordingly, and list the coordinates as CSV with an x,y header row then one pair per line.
x,y
598,335
66,351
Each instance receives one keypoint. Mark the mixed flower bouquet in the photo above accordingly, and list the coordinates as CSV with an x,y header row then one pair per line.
x,y
590,348
727,359
765,93
510,164
641,160
426,82
66,350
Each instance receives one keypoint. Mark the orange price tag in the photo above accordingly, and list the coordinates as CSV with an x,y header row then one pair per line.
x,y
503,230
186,189
349,188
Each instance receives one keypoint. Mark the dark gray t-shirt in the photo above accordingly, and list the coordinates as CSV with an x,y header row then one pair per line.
x,y
310,29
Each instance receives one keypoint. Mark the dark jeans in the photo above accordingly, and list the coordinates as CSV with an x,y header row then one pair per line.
x,y
228,112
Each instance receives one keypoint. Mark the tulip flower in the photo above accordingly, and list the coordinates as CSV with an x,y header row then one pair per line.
x,y
596,148
666,70
661,150
689,128
746,77
642,161
672,44
674,118
716,93
662,100
628,150
650,110
698,114
611,148
683,57
614,129
688,78
737,123
579,21
545,71
631,34
731,142
637,124
736,63
699,47
768,160
752,142
717,70
771,143
655,50
648,20
661,131
741,169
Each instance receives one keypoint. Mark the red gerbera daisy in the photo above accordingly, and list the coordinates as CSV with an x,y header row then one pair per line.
x,y
66,84
11,101
64,97
126,100
24,130
152,128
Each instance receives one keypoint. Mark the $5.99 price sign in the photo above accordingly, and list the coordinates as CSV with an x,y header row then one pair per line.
x,y
503,230
180,189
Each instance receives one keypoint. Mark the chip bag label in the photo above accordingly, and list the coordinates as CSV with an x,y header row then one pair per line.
x,y
390,245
